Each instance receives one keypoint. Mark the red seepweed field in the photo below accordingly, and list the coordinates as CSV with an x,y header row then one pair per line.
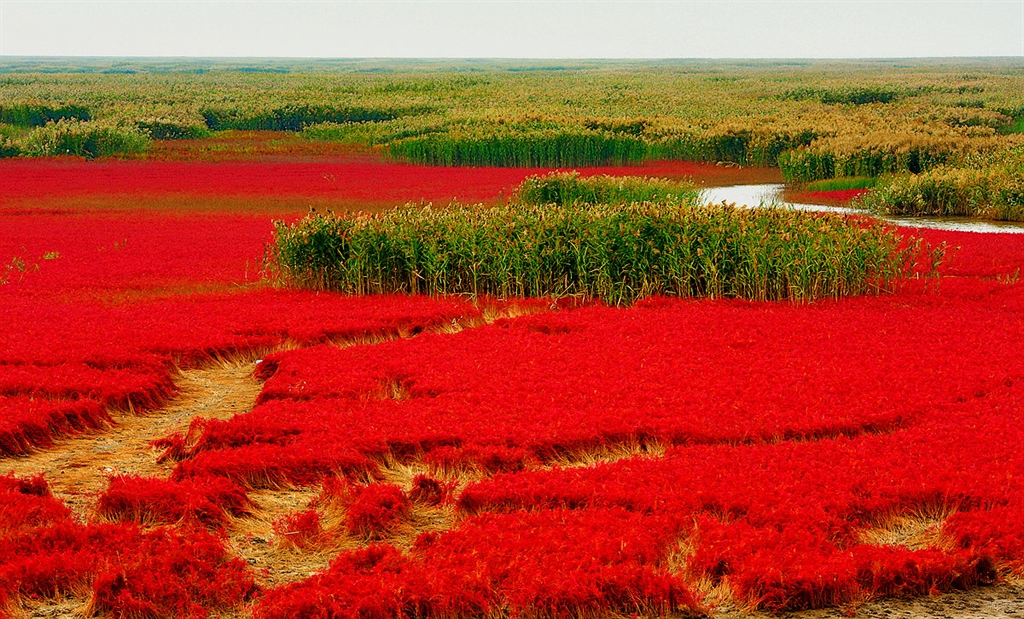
x,y
436,457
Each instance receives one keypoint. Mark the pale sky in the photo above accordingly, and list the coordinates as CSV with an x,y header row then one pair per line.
x,y
513,29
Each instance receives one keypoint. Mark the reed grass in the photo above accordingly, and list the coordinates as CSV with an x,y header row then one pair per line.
x,y
849,95
498,147
173,129
567,188
815,120
8,147
295,117
996,194
745,146
616,253
37,114
806,165
374,133
84,139
845,183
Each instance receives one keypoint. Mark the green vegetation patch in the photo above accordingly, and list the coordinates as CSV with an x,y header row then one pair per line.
x,y
38,114
297,117
1015,125
173,129
949,192
84,139
849,95
829,160
617,253
842,184
567,188
540,148
988,187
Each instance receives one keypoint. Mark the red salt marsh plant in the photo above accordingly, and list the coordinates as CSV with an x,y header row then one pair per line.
x,y
845,414
128,572
786,433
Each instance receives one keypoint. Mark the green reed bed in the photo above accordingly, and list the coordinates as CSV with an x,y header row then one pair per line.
x,y
845,183
996,194
564,188
37,114
988,186
617,253
538,148
84,139
825,162
295,117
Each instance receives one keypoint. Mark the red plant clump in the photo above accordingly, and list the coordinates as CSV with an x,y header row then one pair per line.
x,y
430,491
44,552
375,509
302,530
208,502
558,563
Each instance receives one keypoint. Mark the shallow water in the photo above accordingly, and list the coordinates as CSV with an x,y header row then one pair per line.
x,y
757,195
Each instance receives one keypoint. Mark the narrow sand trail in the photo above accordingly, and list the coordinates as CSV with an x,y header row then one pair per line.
x,y
78,469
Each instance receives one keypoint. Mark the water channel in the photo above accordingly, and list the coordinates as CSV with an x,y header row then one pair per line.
x,y
758,195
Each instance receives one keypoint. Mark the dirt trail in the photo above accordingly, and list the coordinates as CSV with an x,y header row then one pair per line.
x,y
77,469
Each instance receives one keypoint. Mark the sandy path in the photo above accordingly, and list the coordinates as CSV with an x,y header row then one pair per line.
x,y
77,469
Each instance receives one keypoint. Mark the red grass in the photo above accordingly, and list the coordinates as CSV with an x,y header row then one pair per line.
x,y
373,182
558,563
971,254
376,509
131,573
795,428
27,424
790,429
207,502
301,530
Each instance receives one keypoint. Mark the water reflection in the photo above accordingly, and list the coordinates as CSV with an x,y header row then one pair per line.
x,y
757,195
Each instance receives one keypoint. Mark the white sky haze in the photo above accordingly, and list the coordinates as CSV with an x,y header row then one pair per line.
x,y
513,29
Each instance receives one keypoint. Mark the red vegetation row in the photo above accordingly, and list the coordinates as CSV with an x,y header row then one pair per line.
x,y
62,364
556,563
130,572
207,502
27,424
673,372
370,181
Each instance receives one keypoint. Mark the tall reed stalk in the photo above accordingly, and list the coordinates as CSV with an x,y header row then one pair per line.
x,y
617,253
